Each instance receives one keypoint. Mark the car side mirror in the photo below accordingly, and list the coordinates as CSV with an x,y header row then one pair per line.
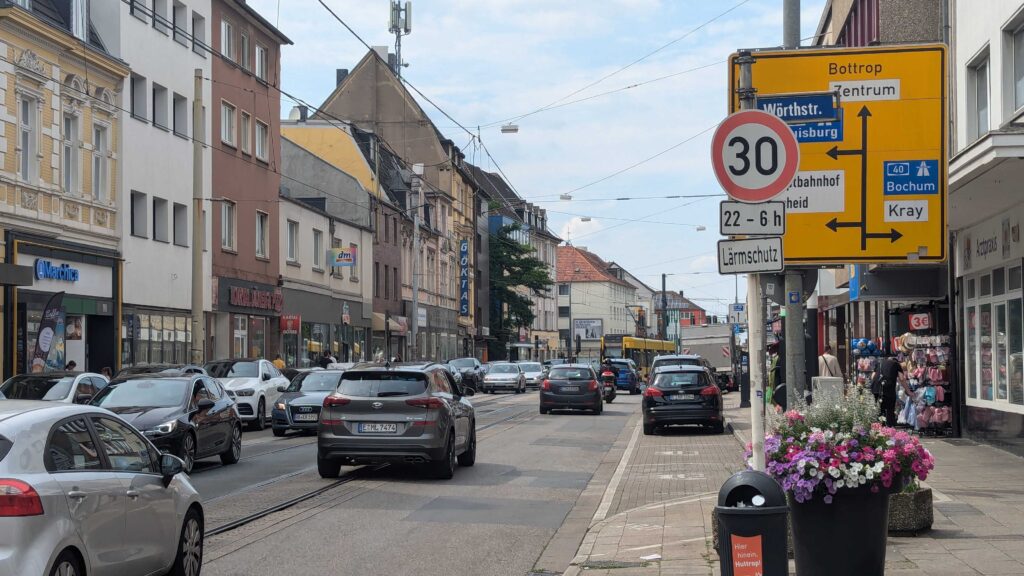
x,y
468,391
266,376
170,466
282,388
205,404
83,398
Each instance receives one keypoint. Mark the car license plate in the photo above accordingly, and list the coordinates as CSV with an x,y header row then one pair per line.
x,y
378,428
306,417
570,388
683,397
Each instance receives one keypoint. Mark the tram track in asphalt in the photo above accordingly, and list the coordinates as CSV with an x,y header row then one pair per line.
x,y
356,474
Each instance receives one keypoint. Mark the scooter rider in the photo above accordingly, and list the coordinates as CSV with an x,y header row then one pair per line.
x,y
607,366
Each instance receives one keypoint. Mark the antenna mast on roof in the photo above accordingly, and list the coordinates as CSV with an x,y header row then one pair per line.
x,y
400,24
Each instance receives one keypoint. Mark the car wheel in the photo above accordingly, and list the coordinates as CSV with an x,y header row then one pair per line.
x,y
718,428
634,390
599,409
67,564
234,452
188,452
444,469
648,429
261,417
468,458
328,468
279,432
543,410
189,559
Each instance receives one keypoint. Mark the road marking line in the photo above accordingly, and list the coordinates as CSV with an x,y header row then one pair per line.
x,y
620,470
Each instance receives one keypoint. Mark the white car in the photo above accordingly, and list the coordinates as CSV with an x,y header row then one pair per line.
x,y
253,383
534,373
67,387
505,376
84,493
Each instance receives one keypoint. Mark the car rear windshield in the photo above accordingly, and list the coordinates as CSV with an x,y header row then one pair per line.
x,y
315,382
678,379
233,369
143,393
531,367
37,387
463,363
5,447
504,369
559,373
677,362
377,385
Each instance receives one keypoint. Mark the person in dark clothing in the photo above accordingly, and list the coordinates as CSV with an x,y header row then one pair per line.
x,y
892,374
607,366
325,360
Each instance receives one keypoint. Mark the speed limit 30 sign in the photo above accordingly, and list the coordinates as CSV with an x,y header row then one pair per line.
x,y
755,155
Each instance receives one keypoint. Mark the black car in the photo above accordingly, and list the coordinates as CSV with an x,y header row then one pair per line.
x,y
298,408
572,386
683,395
471,369
188,415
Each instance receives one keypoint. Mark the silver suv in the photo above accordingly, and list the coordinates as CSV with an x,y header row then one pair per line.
x,y
410,413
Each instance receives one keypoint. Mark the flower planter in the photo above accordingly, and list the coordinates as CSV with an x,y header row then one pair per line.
x,y
911,512
844,538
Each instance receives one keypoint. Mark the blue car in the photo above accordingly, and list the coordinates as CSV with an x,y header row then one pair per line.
x,y
628,378
299,406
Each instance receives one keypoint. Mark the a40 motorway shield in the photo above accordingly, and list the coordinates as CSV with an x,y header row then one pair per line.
x,y
872,180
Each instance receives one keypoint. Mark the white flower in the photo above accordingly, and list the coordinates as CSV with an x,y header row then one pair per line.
x,y
832,470
870,474
840,483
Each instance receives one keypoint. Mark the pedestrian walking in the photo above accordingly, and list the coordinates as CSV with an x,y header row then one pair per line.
x,y
325,360
892,374
71,365
828,365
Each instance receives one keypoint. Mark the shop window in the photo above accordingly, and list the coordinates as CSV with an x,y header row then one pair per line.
x,y
971,326
999,361
998,281
240,336
1015,343
1014,278
970,289
985,344
257,336
986,285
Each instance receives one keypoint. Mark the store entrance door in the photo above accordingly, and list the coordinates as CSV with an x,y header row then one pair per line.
x,y
99,337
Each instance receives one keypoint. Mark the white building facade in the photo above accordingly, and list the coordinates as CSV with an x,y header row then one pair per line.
x,y
164,42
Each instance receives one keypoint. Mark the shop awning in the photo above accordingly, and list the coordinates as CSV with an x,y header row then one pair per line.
x,y
398,325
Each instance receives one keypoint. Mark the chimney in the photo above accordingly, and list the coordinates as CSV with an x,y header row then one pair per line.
x,y
339,76
303,113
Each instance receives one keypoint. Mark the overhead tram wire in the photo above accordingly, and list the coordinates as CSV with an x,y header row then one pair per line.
x,y
634,62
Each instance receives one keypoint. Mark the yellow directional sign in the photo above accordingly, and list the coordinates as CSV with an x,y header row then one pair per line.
x,y
871,123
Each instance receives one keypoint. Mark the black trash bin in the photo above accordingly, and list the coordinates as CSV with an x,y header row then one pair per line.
x,y
752,526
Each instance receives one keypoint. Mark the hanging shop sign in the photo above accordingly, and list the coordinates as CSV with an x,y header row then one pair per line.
x,y
464,277
921,321
989,243
290,324
346,318
342,257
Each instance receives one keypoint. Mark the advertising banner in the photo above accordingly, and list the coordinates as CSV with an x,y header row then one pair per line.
x,y
341,257
587,329
49,350
464,277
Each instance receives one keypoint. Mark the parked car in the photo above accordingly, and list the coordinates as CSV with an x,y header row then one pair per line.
x,y
404,413
291,373
533,372
71,387
471,369
554,362
629,377
299,406
572,386
504,376
253,383
160,368
684,394
188,415
85,493
664,360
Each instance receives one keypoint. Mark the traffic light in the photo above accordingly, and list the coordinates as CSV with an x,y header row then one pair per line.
x,y
579,344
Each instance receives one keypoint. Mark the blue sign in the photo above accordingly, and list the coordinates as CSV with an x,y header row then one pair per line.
x,y
45,270
464,277
800,108
854,282
910,177
793,297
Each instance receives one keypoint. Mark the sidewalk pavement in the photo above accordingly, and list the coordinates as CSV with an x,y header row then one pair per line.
x,y
659,520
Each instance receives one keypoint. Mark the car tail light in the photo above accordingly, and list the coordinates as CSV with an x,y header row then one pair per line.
x,y
710,391
546,385
592,386
427,403
335,400
18,499
652,392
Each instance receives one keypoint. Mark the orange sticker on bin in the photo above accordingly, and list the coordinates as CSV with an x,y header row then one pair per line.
x,y
747,557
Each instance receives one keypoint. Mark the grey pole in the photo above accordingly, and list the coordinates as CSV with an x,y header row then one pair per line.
x,y
664,309
198,224
791,23
417,187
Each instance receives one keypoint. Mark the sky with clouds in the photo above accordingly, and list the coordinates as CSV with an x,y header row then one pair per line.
x,y
485,61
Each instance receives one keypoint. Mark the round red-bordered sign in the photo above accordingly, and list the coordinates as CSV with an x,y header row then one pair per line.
x,y
755,155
